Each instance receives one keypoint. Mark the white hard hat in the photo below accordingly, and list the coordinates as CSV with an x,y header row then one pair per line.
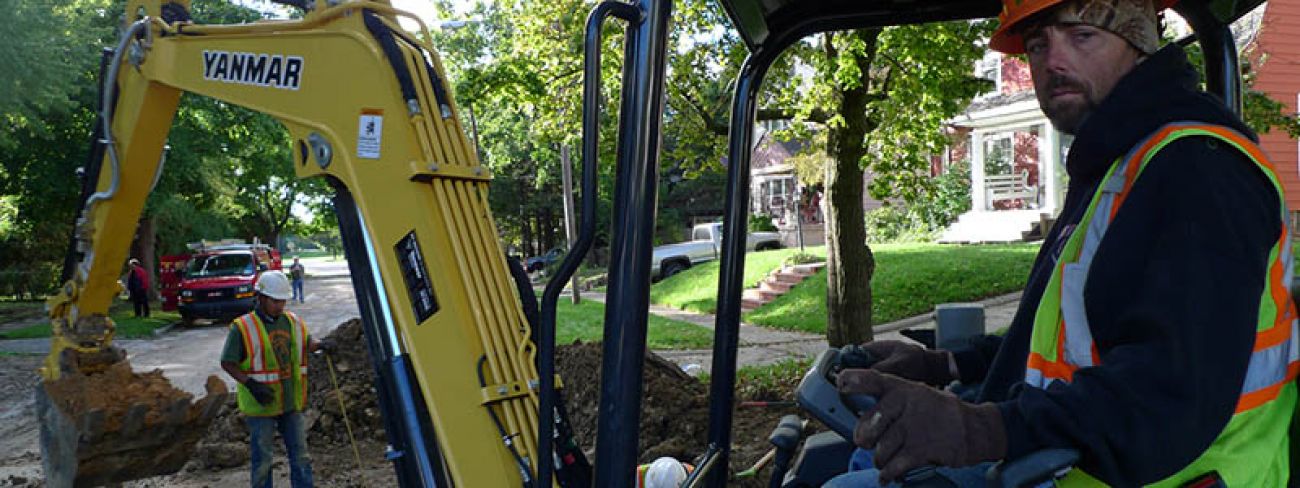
x,y
665,472
275,285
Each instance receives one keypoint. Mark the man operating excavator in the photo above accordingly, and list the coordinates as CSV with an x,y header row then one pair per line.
x,y
1156,335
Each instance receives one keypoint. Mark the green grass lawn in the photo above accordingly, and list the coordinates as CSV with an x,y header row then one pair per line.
x,y
696,289
20,309
910,279
585,322
128,326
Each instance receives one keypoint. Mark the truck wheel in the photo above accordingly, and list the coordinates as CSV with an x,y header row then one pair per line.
x,y
674,267
187,320
767,246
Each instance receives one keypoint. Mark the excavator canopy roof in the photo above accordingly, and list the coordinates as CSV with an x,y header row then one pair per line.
x,y
775,23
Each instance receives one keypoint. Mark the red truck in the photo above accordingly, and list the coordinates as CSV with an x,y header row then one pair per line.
x,y
215,280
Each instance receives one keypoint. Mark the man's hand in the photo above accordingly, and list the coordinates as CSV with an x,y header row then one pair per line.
x,y
912,362
913,425
262,393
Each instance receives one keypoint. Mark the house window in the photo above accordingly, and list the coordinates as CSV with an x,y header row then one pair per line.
x,y
990,68
999,154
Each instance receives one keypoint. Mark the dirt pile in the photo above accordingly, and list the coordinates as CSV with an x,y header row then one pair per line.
x,y
674,408
118,425
674,420
114,391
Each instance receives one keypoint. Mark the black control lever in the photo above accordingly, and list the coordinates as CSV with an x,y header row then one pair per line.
x,y
785,438
820,396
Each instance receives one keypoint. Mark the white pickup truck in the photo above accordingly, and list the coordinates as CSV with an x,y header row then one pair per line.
x,y
705,245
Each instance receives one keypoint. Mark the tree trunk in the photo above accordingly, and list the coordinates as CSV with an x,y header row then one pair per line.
x,y
849,262
143,247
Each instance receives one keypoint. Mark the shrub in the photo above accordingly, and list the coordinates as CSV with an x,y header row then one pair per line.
x,y
803,258
893,224
761,223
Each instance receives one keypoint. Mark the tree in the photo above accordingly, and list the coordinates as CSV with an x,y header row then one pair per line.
x,y
888,92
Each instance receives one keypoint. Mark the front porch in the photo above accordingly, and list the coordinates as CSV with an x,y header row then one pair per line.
x,y
1017,173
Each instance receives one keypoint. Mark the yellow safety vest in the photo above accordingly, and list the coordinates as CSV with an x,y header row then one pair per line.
x,y
261,364
1252,450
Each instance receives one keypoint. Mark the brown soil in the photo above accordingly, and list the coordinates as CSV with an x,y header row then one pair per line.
x,y
674,410
114,391
674,420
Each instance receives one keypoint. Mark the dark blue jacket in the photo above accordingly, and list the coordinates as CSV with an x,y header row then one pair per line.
x,y
1172,295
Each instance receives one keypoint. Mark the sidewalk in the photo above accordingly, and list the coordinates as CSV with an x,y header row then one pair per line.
x,y
761,346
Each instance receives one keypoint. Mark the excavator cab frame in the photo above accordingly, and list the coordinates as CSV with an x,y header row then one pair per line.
x,y
768,27
460,381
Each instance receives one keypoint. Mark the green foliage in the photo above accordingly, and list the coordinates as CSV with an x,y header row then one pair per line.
x,y
895,224
761,223
696,289
771,381
924,219
1261,113
910,280
228,170
28,280
803,258
586,322
47,57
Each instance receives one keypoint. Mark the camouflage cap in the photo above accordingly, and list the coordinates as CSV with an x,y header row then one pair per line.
x,y
1133,20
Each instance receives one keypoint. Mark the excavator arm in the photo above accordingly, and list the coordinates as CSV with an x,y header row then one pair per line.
x,y
367,107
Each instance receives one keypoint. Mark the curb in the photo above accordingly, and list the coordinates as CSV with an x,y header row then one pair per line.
x,y
164,329
926,317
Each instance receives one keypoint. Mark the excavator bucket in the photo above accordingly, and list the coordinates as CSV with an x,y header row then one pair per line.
x,y
116,425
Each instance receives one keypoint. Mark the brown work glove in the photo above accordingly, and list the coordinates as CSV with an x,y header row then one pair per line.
x,y
911,361
913,425
262,393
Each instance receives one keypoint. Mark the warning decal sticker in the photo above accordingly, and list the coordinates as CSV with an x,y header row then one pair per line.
x,y
370,133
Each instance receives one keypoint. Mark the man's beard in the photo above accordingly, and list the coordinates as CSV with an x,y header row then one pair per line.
x,y
1067,115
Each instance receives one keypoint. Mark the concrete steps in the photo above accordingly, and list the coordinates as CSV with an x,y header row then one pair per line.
x,y
993,226
778,283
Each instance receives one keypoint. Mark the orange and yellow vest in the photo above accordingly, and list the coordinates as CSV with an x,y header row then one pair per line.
x,y
261,364
1252,450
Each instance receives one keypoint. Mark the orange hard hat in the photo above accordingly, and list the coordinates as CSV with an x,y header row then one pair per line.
x,y
1007,40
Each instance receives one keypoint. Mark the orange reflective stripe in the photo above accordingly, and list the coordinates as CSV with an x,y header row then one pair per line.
x,y
1135,164
1265,395
248,340
1246,144
1051,370
1281,329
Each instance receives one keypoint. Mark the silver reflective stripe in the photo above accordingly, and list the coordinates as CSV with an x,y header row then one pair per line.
x,y
295,324
1035,378
265,377
1078,333
1074,276
1269,366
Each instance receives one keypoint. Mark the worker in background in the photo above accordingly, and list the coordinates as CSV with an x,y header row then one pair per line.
x,y
1156,335
297,271
138,286
266,353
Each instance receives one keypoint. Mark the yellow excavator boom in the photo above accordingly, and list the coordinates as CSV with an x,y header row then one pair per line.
x,y
367,108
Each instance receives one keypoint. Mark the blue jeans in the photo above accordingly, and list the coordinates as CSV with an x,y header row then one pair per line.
x,y
863,474
297,290
262,433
